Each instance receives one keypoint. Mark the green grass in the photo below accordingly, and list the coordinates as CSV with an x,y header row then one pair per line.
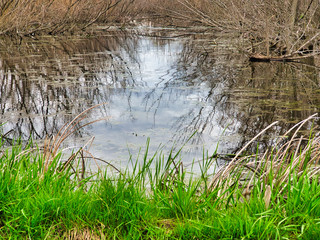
x,y
155,198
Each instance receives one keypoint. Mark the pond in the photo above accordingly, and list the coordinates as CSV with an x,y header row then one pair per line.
x,y
159,83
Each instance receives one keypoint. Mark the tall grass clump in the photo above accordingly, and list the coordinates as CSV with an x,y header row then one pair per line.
x,y
269,195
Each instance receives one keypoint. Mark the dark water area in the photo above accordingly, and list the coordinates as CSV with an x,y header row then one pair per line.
x,y
162,84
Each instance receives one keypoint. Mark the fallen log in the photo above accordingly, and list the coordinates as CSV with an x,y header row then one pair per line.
x,y
258,57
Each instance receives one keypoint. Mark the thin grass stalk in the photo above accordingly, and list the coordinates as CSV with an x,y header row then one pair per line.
x,y
289,144
273,171
106,162
298,147
69,126
297,162
81,151
52,146
231,165
297,125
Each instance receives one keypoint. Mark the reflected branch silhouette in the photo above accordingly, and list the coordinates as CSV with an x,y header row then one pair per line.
x,y
44,83
188,84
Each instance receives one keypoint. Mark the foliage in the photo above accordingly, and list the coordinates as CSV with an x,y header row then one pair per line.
x,y
270,196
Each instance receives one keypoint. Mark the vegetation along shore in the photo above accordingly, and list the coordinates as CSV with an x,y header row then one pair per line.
x,y
272,193
267,195
286,30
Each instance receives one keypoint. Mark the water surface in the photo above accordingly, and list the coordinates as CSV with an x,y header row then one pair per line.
x,y
162,84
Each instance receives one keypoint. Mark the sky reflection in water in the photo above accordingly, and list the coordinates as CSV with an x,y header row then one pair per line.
x,y
160,106
163,88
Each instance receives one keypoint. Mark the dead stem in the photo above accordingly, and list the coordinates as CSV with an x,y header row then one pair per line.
x,y
273,168
52,145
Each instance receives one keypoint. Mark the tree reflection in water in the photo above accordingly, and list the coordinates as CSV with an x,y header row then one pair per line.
x,y
158,86
46,83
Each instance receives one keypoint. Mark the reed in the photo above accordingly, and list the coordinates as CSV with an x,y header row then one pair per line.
x,y
58,16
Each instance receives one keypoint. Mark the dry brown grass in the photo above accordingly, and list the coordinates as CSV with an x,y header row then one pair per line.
x,y
51,150
287,28
84,234
56,16
53,146
275,168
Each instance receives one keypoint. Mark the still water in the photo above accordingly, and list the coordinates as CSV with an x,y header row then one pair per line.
x,y
162,84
